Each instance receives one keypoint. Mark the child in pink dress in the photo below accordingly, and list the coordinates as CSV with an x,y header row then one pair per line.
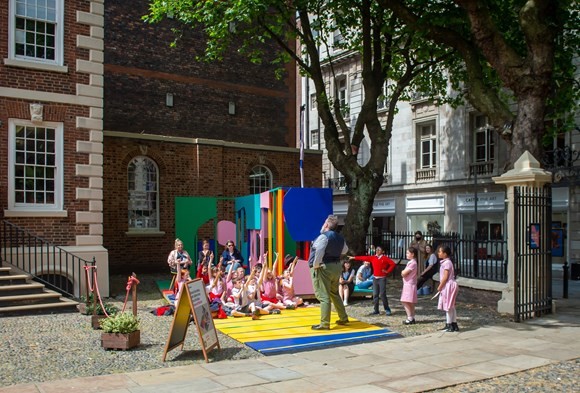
x,y
448,289
409,292
288,297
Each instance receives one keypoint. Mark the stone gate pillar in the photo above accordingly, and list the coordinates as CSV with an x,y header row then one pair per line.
x,y
526,173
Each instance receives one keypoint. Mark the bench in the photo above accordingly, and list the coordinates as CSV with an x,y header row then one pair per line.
x,y
362,292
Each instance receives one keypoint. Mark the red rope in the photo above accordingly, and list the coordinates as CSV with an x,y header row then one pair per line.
x,y
95,287
130,281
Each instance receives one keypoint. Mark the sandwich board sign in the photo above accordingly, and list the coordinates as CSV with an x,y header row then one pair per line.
x,y
192,301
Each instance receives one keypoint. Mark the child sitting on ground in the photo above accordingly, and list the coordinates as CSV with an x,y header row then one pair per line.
x,y
181,278
217,287
287,286
267,287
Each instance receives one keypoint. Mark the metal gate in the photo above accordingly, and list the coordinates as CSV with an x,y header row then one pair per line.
x,y
533,252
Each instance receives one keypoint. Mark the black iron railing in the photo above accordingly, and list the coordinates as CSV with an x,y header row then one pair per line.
x,y
51,265
483,259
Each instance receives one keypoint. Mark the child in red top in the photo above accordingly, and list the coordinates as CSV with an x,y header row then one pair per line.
x,y
382,267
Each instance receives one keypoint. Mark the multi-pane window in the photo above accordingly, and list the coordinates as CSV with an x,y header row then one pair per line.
x,y
314,139
36,166
260,179
484,140
382,100
313,102
341,92
36,30
143,187
428,144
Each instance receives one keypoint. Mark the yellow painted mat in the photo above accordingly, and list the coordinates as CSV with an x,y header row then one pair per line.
x,y
291,331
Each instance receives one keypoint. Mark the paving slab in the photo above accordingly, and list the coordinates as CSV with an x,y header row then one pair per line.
x,y
417,383
299,385
340,379
168,375
523,362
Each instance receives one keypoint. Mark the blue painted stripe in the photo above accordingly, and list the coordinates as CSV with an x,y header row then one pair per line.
x,y
312,340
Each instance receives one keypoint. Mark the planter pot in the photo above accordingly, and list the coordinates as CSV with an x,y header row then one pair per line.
x,y
82,307
95,319
122,341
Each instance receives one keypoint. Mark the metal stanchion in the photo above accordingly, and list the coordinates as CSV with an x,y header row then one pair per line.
x,y
565,278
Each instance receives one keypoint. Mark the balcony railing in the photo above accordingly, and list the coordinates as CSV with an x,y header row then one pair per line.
x,y
426,174
338,183
484,168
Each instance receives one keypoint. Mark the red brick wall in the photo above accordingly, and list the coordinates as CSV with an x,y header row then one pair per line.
x,y
223,171
58,230
141,68
64,83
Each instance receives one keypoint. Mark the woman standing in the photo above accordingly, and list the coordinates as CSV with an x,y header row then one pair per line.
x,y
448,289
204,257
346,282
178,258
409,292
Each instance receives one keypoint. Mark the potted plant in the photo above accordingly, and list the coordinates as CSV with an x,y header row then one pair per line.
x,y
120,331
96,311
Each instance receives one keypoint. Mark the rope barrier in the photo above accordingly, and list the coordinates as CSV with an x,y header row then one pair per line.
x,y
130,281
95,287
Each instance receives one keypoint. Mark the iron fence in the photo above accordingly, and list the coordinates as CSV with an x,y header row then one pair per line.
x,y
48,264
479,258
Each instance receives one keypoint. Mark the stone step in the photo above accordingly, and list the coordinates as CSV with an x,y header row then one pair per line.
x,y
21,289
4,271
36,298
14,279
64,305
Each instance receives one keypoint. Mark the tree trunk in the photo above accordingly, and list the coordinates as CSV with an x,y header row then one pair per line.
x,y
360,207
528,128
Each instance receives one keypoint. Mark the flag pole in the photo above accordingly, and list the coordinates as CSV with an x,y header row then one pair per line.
x,y
302,108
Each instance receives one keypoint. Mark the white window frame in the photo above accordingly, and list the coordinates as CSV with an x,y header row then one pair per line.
x,y
489,146
342,91
19,60
314,138
57,205
264,185
134,226
382,99
432,140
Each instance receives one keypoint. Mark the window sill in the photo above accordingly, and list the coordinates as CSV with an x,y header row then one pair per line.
x,y
35,66
144,233
33,213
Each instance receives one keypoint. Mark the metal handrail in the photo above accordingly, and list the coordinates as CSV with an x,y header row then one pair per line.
x,y
48,264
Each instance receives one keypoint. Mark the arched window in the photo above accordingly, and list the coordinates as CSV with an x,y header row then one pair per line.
x,y
260,179
143,187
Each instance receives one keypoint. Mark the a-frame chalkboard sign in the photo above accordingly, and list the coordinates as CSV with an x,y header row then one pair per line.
x,y
192,301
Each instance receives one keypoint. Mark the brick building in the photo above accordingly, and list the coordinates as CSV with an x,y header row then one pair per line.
x,y
102,124
197,129
51,111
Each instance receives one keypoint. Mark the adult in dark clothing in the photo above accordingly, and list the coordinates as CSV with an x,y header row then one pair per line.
x,y
431,266
325,269
232,257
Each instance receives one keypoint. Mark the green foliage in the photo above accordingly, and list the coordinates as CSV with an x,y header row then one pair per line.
x,y
109,308
120,323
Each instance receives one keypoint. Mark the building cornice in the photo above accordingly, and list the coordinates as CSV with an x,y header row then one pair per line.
x,y
206,142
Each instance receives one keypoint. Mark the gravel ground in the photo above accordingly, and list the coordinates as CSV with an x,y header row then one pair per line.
x,y
59,346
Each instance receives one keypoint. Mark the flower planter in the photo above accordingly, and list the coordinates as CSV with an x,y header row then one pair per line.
x,y
95,321
122,341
